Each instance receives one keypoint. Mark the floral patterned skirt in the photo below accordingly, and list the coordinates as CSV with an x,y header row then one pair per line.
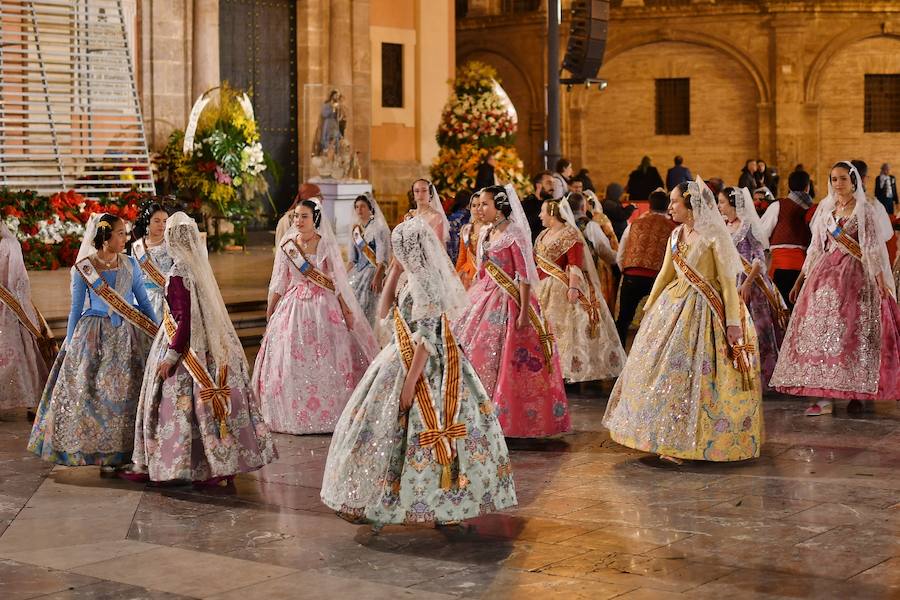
x,y
843,340
377,470
23,372
529,397
582,357
87,412
768,332
177,435
679,394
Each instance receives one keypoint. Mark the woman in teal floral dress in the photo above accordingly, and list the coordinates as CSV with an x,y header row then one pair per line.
x,y
418,442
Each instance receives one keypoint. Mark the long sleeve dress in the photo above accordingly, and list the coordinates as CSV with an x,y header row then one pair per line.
x,y
679,394
159,254
589,346
309,361
766,306
177,434
528,393
363,271
843,340
377,467
87,411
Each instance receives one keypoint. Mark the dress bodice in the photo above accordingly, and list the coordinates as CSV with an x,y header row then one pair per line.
x,y
376,239
565,249
286,277
505,253
160,257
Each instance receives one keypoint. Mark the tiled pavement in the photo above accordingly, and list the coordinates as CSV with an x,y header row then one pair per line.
x,y
818,516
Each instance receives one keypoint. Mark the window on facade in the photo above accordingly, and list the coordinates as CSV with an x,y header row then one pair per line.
x,y
882,103
520,6
673,106
392,75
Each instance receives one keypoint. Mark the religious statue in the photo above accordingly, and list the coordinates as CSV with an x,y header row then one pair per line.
x,y
332,156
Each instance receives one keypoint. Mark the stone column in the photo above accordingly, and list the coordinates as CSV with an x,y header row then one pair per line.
x,y
795,132
205,46
341,40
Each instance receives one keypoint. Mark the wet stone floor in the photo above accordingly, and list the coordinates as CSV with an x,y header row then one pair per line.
x,y
817,516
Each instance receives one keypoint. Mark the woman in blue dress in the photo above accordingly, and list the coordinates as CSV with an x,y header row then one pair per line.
x,y
88,408
369,252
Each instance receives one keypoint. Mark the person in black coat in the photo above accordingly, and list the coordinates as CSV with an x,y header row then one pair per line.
x,y
886,189
485,175
748,175
643,180
614,209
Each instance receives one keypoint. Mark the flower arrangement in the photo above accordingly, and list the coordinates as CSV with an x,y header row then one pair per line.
x,y
50,228
477,121
224,162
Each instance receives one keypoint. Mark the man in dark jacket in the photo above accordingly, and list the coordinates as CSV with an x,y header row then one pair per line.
x,y
613,208
886,189
677,174
643,180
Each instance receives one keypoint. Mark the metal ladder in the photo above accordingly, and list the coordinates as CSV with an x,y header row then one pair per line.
x,y
70,115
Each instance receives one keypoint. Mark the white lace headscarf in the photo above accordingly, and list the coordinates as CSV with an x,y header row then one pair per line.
x,y
746,212
331,250
381,227
874,253
87,240
434,200
518,228
13,274
215,333
587,267
710,226
431,278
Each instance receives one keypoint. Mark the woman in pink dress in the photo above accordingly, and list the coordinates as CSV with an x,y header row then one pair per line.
x,y
512,350
318,342
843,340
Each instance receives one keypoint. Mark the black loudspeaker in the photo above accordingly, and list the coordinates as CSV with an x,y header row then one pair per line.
x,y
587,39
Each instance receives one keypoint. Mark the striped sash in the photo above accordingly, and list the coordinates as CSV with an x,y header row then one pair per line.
x,y
506,283
217,394
362,246
139,250
839,235
741,354
435,436
589,303
15,306
773,296
128,312
299,260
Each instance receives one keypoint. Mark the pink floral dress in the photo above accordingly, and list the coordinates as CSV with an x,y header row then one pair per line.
x,y
309,362
529,398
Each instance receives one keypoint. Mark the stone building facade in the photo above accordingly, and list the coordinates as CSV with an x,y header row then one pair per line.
x,y
179,51
780,80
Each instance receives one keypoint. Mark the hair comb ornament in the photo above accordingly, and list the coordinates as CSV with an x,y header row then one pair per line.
x,y
103,225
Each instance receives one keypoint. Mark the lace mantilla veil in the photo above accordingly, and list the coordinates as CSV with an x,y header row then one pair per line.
x,y
215,334
13,274
874,253
520,231
87,240
710,226
431,279
746,212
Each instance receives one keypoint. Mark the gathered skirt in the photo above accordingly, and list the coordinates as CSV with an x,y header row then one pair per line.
x,y
360,280
23,372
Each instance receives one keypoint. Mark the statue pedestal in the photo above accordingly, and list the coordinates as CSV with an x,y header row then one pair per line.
x,y
338,197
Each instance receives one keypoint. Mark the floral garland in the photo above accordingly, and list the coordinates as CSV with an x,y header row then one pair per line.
x,y
475,123
50,228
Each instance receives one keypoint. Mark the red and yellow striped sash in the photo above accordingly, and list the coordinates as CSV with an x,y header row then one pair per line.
x,y
506,283
589,303
839,235
435,436
218,395
299,260
128,312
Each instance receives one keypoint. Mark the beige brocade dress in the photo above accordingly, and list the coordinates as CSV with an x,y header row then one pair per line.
x,y
583,356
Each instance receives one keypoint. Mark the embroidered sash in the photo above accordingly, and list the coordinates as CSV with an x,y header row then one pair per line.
x,y
299,260
139,250
217,395
435,436
15,306
362,246
589,303
128,312
773,296
839,235
740,354
506,283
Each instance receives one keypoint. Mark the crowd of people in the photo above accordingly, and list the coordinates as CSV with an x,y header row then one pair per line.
x,y
427,345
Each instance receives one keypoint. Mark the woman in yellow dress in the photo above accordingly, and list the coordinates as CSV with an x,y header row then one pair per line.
x,y
605,272
468,243
691,387
569,295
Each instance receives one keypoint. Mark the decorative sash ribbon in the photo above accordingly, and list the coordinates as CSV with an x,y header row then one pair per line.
x,y
773,296
139,251
219,396
839,235
589,303
299,260
506,283
15,306
435,436
362,246
741,355
128,312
